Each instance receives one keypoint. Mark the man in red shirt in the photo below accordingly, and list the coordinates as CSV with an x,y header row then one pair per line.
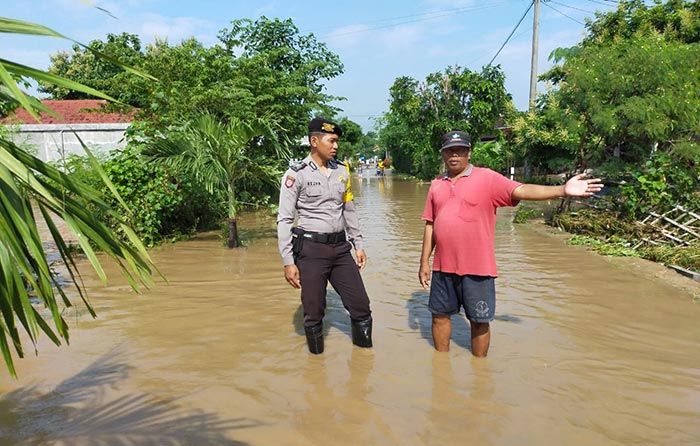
x,y
460,219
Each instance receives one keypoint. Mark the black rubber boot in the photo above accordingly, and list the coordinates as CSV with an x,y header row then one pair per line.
x,y
362,333
314,338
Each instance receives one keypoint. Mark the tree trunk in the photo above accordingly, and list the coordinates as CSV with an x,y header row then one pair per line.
x,y
233,234
233,241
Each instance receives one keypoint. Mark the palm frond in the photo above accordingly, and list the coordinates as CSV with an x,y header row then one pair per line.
x,y
27,182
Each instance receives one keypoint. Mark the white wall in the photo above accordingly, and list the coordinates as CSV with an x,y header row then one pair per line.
x,y
51,141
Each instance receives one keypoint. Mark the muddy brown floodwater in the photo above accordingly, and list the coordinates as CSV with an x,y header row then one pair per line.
x,y
583,352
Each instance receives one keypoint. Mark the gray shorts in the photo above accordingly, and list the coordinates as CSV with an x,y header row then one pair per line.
x,y
477,294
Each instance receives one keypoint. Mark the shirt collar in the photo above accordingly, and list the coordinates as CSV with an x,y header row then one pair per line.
x,y
465,173
332,163
310,162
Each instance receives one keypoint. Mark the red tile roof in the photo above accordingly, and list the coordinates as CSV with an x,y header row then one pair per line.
x,y
78,111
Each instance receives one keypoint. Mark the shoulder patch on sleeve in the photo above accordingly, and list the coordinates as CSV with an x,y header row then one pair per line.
x,y
297,166
289,181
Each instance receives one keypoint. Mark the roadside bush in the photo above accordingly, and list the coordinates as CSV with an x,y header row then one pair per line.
x,y
163,205
523,214
659,184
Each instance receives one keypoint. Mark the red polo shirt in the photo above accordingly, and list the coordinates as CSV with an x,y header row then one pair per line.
x,y
463,213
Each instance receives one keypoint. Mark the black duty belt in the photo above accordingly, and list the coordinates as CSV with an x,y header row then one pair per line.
x,y
321,237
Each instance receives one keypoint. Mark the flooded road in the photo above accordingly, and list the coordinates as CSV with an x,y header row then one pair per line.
x,y
582,352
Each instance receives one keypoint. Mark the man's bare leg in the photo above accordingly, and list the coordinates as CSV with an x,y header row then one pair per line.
x,y
442,330
481,338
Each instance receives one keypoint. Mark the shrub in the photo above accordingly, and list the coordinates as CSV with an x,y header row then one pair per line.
x,y
163,205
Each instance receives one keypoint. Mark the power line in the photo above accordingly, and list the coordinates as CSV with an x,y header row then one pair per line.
x,y
602,3
511,33
565,15
572,7
426,13
432,17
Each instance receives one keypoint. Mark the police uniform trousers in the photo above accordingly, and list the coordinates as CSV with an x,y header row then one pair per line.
x,y
320,263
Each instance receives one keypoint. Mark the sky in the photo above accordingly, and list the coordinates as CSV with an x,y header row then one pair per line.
x,y
377,41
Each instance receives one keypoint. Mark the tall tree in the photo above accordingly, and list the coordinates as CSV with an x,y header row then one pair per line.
x,y
420,112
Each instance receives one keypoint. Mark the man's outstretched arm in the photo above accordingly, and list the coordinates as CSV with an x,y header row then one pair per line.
x,y
577,186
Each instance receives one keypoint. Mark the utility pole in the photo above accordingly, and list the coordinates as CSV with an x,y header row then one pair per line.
x,y
533,61
527,168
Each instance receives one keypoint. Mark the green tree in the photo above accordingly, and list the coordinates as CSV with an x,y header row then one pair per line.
x,y
259,69
221,156
284,70
626,100
85,65
420,112
27,183
676,20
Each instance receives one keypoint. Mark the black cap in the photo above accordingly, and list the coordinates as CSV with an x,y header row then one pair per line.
x,y
320,125
455,138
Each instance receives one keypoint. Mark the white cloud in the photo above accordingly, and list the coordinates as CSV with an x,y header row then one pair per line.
x,y
347,36
401,37
154,26
264,9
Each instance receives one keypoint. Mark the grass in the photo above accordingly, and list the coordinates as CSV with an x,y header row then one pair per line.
x,y
523,214
606,233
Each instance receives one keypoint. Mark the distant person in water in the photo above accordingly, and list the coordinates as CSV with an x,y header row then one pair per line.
x,y
460,219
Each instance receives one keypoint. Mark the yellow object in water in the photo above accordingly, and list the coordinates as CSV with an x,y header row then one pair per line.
x,y
348,196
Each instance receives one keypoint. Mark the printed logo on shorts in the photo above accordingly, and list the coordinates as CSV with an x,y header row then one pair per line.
x,y
482,309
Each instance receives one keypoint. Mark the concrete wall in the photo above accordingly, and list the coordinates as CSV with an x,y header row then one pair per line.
x,y
50,142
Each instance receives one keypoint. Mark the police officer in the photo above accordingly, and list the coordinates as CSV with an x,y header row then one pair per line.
x,y
317,250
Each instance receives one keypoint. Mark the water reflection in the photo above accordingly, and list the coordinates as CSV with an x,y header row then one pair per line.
x,y
78,411
420,318
336,316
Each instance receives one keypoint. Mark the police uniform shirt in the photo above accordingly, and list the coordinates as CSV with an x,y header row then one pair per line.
x,y
323,203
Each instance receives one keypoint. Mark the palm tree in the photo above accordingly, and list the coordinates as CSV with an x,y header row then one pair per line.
x,y
26,181
221,156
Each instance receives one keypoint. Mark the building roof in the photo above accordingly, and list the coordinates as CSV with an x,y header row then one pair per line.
x,y
76,111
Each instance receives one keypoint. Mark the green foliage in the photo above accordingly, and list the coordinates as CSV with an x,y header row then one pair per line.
x,y
683,256
617,247
493,154
596,223
169,206
261,69
221,156
523,214
625,101
85,65
421,112
632,98
28,185
355,142
659,184
676,20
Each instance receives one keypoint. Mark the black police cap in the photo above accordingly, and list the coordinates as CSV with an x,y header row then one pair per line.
x,y
320,125
455,138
